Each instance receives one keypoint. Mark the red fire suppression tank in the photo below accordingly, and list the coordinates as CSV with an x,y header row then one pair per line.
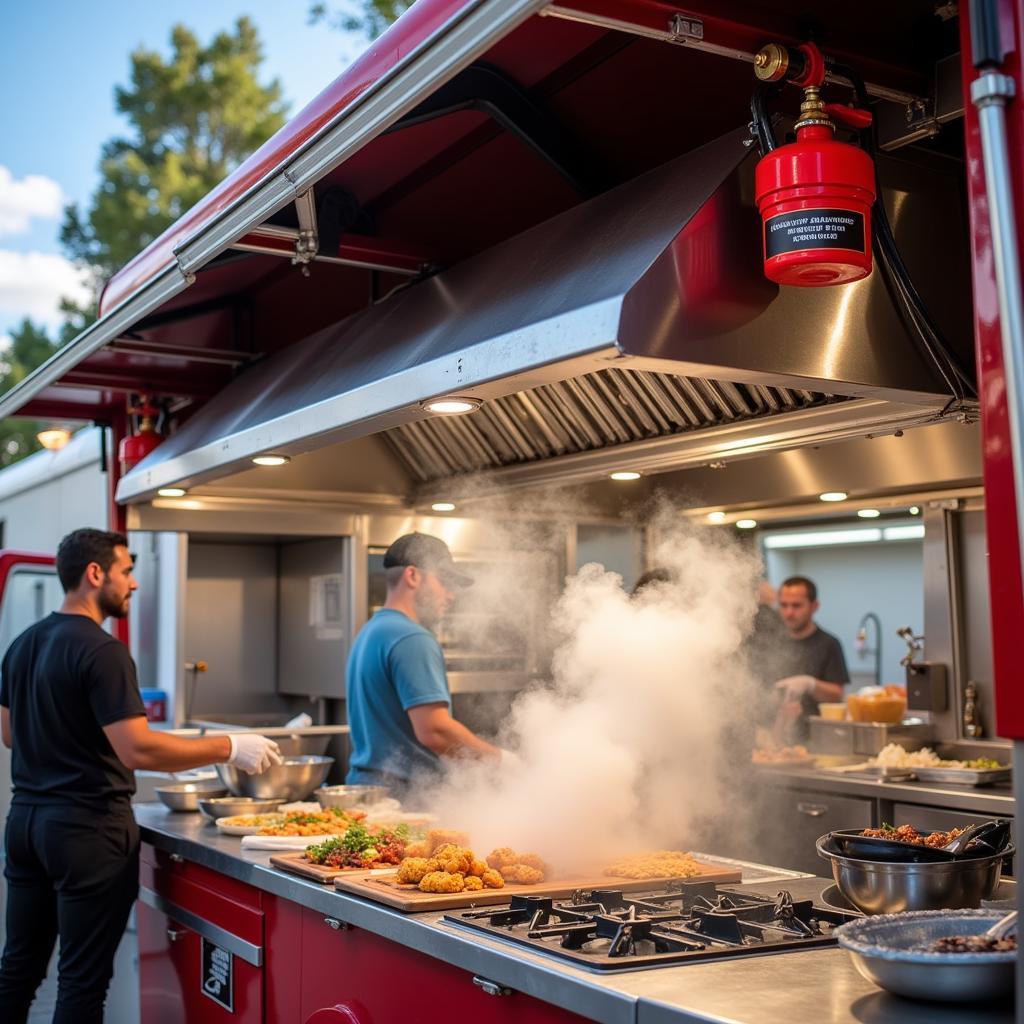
x,y
815,197
135,447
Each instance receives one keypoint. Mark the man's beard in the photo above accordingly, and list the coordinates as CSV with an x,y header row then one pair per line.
x,y
112,608
429,611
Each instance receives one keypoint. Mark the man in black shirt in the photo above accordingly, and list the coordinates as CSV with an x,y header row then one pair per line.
x,y
812,661
72,714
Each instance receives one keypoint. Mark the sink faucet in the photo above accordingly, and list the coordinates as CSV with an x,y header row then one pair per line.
x,y
862,637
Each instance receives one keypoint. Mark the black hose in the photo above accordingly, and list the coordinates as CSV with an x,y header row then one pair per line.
x,y
759,119
924,328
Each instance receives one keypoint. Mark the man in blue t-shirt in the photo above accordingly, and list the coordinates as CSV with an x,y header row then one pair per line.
x,y
399,706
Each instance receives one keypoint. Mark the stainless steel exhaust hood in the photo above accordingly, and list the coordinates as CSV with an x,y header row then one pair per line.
x,y
637,319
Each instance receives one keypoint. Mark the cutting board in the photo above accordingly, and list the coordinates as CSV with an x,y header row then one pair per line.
x,y
383,888
297,864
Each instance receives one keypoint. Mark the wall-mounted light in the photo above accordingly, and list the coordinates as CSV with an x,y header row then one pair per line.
x,y
271,459
868,513
451,405
54,438
171,492
443,506
624,474
833,496
746,524
914,510
716,517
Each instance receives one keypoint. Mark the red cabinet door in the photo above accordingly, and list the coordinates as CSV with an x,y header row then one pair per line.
x,y
351,976
173,971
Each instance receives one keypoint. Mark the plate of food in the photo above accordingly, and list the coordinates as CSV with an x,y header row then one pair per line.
x,y
247,824
783,757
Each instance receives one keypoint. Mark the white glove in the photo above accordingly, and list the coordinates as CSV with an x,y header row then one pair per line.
x,y
508,760
253,753
795,687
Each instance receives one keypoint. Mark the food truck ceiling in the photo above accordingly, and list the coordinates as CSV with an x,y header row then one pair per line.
x,y
420,175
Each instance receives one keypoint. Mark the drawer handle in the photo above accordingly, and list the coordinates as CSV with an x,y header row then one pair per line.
x,y
338,926
176,933
812,810
492,988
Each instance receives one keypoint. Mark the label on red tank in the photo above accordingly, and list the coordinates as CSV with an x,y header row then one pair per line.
x,y
813,229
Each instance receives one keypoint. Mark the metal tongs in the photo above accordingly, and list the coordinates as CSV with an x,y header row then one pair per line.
x,y
1003,928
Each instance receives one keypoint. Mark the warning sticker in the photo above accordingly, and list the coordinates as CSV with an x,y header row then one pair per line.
x,y
813,229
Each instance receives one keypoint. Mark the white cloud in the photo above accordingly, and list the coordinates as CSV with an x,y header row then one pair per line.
x,y
24,199
33,283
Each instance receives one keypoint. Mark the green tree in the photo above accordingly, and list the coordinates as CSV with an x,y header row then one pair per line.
x,y
29,347
371,16
193,118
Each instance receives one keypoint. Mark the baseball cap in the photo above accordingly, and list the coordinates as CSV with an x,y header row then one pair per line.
x,y
428,553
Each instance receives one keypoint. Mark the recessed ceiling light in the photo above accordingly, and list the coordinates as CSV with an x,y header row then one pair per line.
x,y
716,517
443,506
625,474
833,496
171,492
914,510
272,460
54,438
868,513
745,524
452,405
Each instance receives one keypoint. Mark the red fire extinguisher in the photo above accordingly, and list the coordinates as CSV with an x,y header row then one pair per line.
x,y
815,194
135,447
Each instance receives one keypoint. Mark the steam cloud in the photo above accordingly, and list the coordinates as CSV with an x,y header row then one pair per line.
x,y
631,747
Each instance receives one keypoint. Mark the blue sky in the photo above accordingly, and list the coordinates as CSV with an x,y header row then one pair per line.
x,y
59,63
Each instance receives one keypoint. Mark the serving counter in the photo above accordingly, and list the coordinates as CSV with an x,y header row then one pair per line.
x,y
298,951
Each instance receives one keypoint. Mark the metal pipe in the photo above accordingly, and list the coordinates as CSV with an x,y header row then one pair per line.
x,y
862,635
991,91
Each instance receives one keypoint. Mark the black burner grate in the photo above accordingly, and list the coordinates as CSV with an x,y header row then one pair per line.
x,y
608,930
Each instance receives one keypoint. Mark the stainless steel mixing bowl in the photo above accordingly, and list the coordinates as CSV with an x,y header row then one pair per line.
x,y
890,950
346,797
185,796
294,779
229,806
886,887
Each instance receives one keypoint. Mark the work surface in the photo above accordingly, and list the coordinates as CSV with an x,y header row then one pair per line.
x,y
817,985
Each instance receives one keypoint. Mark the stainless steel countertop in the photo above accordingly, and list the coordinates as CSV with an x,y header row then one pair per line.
x,y
995,800
817,985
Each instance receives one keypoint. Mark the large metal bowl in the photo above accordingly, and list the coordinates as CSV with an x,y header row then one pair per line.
x,y
887,887
347,797
185,796
294,779
890,950
229,806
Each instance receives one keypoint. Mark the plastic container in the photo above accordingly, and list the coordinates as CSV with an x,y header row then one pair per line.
x,y
833,711
156,704
876,704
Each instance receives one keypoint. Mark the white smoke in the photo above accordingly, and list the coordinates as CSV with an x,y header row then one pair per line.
x,y
631,745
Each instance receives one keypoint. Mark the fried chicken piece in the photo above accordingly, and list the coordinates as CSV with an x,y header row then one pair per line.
x,y
492,879
441,836
456,860
531,860
473,884
412,870
502,855
442,882
478,867
521,874
420,849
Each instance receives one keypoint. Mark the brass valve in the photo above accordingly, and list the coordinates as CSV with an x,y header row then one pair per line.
x,y
771,63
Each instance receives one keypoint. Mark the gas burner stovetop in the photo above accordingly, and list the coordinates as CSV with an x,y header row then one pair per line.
x,y
608,930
